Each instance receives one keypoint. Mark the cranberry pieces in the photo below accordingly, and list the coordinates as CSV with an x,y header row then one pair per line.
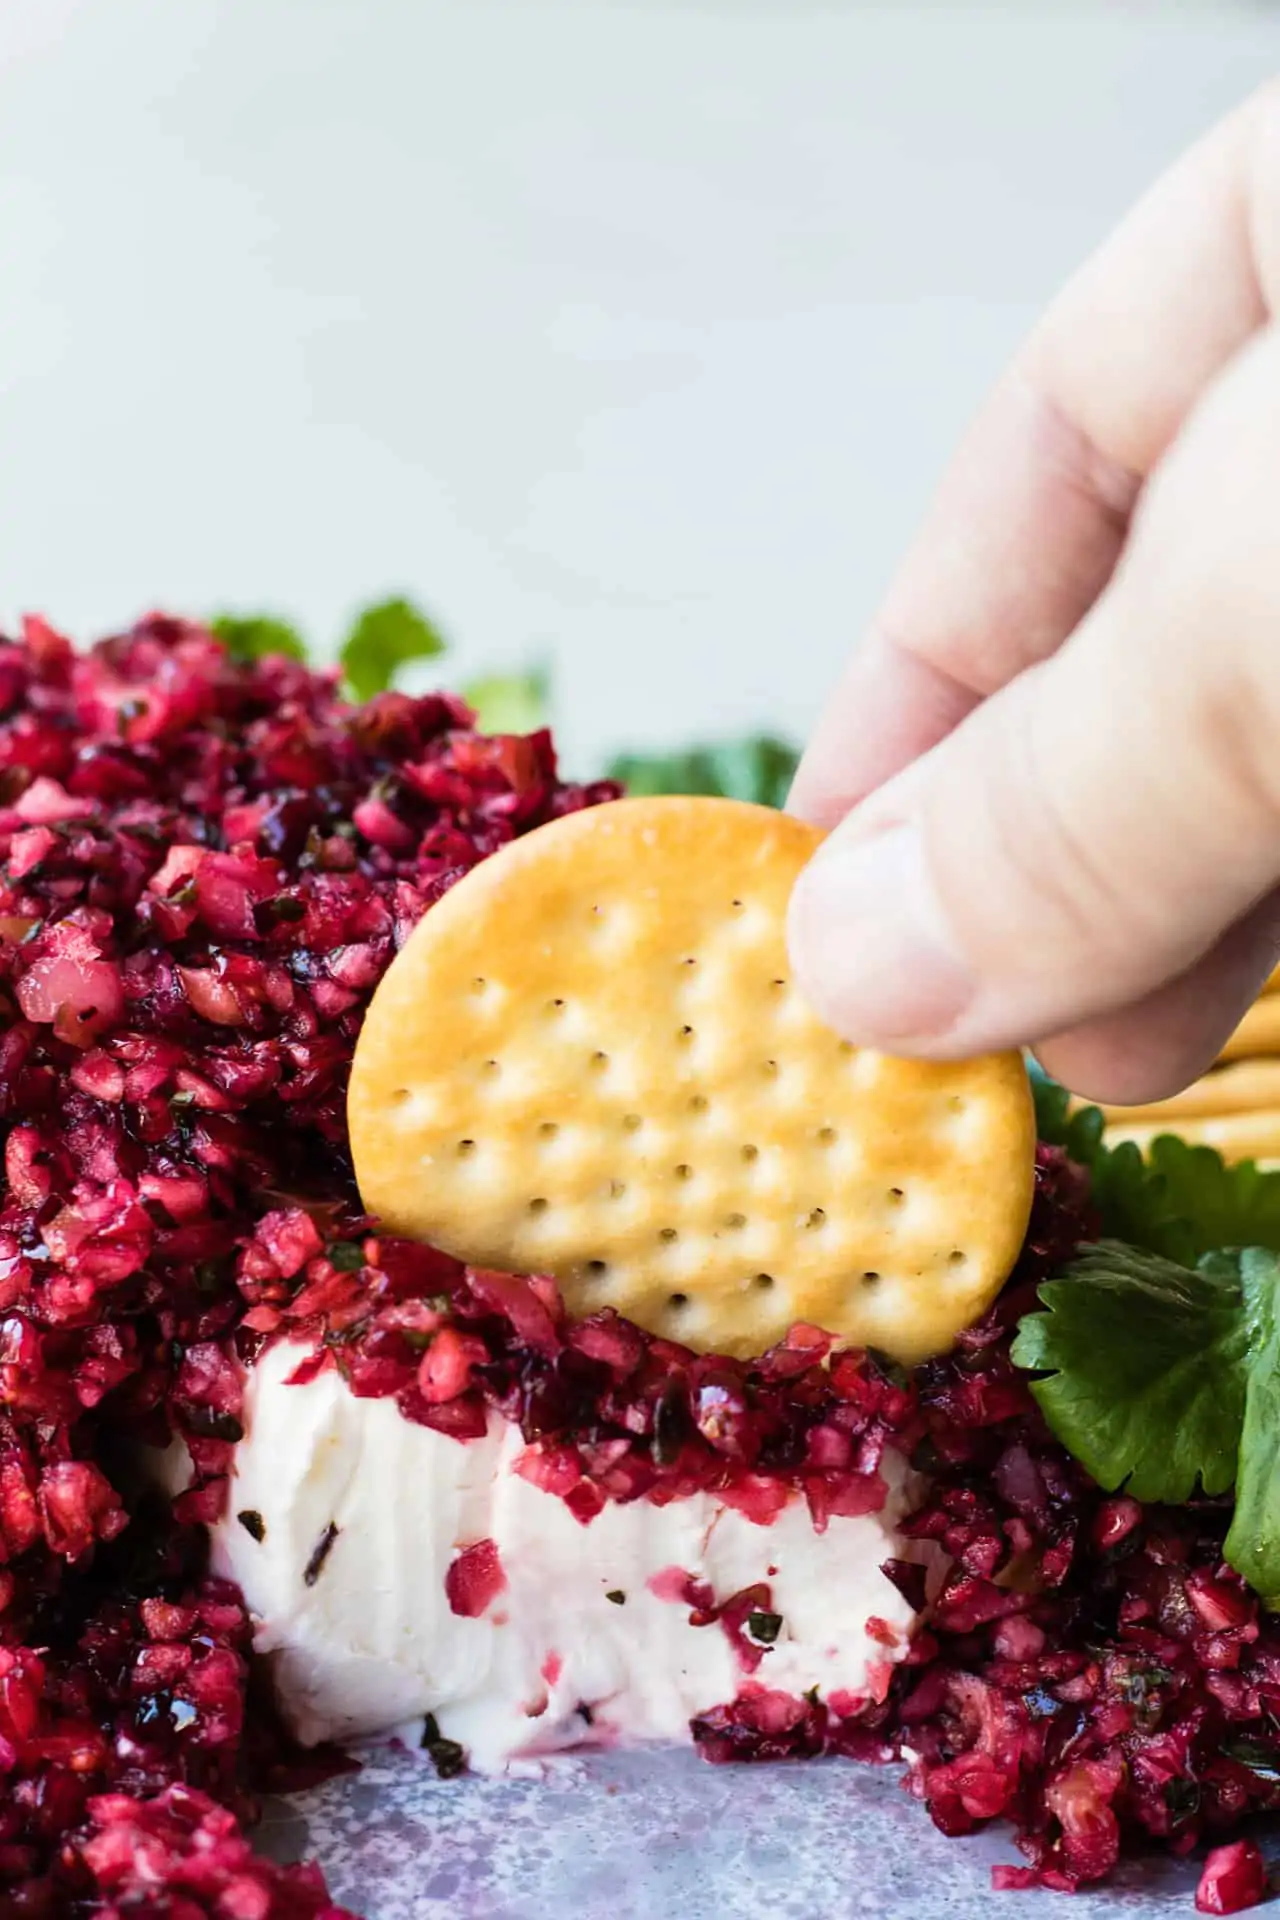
x,y
192,918
474,1580
1234,1879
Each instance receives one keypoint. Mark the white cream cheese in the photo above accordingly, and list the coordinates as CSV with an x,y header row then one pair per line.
x,y
361,1635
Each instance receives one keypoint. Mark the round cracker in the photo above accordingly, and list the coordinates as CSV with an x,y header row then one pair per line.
x,y
590,1061
1236,1136
1258,1033
1244,1087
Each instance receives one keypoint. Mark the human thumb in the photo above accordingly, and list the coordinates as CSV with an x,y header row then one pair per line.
x,y
1091,832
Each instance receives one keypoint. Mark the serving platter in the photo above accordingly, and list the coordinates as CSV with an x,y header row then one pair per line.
x,y
657,1833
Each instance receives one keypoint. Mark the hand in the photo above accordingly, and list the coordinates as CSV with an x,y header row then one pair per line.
x,y
1053,766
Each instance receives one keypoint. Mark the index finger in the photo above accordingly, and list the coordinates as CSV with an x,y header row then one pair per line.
x,y
1031,517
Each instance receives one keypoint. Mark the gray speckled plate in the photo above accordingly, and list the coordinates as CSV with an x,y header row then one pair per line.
x,y
652,1835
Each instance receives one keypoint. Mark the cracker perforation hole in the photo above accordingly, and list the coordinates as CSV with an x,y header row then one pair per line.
x,y
479,984
749,1153
736,1221
763,1283
870,1278
667,1235
678,1302
492,1067
684,1171
466,1148
698,1103
538,1205
815,1218
684,1035
597,1269
616,1189
555,1006
548,1129
896,1196
827,1136
957,1257
400,1095
632,1122
770,1069
599,1061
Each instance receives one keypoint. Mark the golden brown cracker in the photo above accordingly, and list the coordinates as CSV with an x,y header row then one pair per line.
x,y
1242,1087
1258,1032
590,1061
1236,1136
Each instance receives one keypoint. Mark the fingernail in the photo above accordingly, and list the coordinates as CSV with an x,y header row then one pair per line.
x,y
871,945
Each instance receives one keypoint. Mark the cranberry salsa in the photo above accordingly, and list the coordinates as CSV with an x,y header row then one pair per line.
x,y
207,865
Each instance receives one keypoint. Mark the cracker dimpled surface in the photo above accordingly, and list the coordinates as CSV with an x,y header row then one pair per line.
x,y
589,1061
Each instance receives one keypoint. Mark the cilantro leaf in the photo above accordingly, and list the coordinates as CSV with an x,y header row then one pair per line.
x,y
510,702
758,769
1253,1544
384,638
1145,1363
1160,1377
1177,1200
1218,1205
253,636
1079,1133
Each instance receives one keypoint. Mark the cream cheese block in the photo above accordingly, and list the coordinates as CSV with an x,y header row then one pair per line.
x,y
394,1572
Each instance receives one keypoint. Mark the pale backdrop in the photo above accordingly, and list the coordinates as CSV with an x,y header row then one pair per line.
x,y
631,333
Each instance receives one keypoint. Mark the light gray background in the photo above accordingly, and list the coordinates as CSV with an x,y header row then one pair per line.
x,y
630,333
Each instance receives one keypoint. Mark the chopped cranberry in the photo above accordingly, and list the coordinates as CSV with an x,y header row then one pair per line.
x,y
445,1368
1234,1879
205,867
201,882
474,1579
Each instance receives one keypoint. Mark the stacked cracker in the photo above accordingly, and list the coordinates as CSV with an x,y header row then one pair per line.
x,y
1235,1107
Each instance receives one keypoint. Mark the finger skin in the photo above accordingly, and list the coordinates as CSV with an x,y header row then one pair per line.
x,y
1077,845
1167,1040
1031,518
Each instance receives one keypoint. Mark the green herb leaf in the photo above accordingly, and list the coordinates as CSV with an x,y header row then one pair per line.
x,y
510,702
383,639
763,1626
1178,1200
1159,1378
1079,1134
757,769
1253,1544
253,636
1145,1363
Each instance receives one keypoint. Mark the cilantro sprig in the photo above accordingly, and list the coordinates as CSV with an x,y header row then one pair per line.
x,y
510,702
1177,1200
758,768
1145,1364
384,638
381,640
1158,1355
1160,1378
254,636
